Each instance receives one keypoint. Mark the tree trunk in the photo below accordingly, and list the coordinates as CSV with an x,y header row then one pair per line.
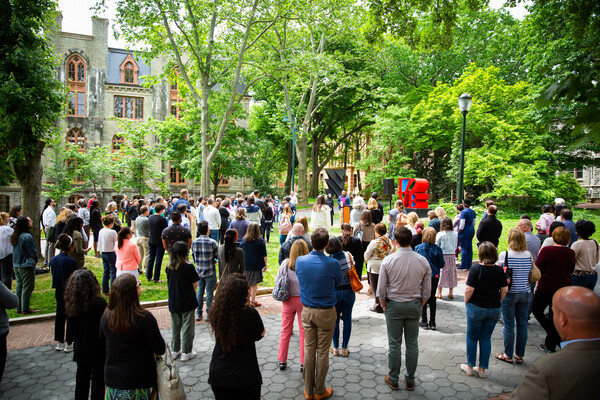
x,y
301,153
314,160
29,174
290,172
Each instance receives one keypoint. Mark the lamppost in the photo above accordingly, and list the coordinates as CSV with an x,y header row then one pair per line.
x,y
464,104
286,119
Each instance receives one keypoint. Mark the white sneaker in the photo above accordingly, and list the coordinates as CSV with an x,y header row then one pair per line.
x,y
176,354
188,356
68,347
60,346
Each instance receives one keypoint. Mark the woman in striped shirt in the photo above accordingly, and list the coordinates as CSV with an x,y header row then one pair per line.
x,y
516,303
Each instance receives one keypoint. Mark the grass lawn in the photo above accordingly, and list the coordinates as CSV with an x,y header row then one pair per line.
x,y
43,295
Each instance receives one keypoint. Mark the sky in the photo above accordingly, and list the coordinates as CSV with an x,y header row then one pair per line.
x,y
77,17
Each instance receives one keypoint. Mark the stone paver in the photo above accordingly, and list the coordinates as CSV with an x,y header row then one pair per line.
x,y
43,373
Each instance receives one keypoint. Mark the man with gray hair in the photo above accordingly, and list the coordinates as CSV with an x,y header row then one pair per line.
x,y
533,242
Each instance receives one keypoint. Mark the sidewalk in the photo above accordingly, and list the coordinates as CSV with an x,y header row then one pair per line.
x,y
34,370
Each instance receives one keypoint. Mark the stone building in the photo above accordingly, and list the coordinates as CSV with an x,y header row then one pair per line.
x,y
106,83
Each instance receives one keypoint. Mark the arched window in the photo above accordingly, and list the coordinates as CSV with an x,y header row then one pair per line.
x,y
76,138
117,141
129,70
76,83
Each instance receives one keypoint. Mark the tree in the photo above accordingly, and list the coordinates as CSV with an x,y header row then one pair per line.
x,y
62,169
134,162
32,96
208,42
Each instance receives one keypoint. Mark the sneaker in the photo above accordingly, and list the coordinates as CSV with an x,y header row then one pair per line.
x,y
432,326
410,386
424,325
68,347
176,354
60,346
545,349
188,356
282,365
392,385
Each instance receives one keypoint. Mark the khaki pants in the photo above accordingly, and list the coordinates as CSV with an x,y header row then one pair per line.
x,y
142,245
318,326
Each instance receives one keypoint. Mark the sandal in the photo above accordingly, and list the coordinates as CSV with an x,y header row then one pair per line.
x,y
345,352
335,351
451,296
257,304
504,357
519,360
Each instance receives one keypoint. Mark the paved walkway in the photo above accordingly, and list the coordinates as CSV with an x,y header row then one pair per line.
x,y
34,370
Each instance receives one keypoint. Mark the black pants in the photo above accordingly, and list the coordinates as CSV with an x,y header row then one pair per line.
x,y
538,305
61,318
359,268
374,280
268,227
431,302
6,268
246,393
85,374
3,353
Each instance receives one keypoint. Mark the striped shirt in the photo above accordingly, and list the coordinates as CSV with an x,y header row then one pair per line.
x,y
520,263
345,263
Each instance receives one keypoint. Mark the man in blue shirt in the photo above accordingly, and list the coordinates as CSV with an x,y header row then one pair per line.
x,y
318,275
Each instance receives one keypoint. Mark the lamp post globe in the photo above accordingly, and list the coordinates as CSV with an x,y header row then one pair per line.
x,y
464,104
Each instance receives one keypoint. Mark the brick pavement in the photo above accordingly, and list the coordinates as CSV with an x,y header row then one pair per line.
x,y
39,372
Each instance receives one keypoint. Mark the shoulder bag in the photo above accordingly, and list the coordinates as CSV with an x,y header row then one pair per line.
x,y
170,386
534,274
359,233
508,271
285,226
354,279
281,290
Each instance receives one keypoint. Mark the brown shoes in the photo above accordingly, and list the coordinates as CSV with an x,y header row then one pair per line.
x,y
308,396
410,386
326,395
392,385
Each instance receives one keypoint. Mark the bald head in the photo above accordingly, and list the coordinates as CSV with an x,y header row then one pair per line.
x,y
525,225
576,313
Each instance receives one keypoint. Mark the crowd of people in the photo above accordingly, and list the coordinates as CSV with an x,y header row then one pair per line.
x,y
407,266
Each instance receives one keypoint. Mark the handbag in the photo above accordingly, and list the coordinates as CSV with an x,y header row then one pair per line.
x,y
285,226
170,386
535,274
354,279
281,291
508,271
359,233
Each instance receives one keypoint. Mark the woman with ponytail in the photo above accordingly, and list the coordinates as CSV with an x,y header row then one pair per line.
x,y
231,257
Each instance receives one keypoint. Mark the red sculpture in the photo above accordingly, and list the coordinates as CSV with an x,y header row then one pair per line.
x,y
413,192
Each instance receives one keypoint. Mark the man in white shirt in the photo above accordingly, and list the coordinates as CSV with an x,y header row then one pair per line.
x,y
293,198
212,216
49,220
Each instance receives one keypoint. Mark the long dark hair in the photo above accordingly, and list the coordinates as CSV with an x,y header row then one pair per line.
x,y
73,224
122,235
22,226
229,243
123,304
227,311
81,293
346,233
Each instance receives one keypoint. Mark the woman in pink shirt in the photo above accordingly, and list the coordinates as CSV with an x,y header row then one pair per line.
x,y
128,255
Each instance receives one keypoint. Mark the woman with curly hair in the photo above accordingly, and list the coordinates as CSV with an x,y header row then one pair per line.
x,y
132,338
84,306
240,224
234,371
111,209
358,207
62,266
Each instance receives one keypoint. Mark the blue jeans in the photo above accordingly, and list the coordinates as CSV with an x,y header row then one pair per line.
x,y
588,281
403,319
515,305
466,247
109,261
480,326
345,302
156,251
207,284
